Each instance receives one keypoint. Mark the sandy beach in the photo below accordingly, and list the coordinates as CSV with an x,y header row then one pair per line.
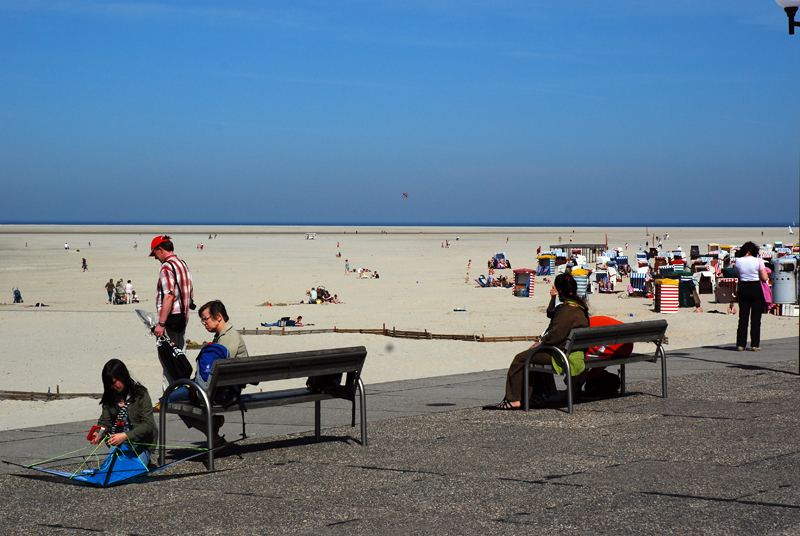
x,y
64,345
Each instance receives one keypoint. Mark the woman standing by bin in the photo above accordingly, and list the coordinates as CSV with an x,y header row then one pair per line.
x,y
751,271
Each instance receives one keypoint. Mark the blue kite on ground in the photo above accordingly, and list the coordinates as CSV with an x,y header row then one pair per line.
x,y
121,464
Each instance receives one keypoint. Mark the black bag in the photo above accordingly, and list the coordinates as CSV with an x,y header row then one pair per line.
x,y
173,359
604,384
326,383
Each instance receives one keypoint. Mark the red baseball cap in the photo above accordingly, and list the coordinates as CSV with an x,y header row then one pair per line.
x,y
157,241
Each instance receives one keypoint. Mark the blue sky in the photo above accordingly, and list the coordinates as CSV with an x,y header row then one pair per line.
x,y
525,113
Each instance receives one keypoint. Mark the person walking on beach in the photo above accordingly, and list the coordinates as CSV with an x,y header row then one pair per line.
x,y
751,271
110,290
174,294
129,292
84,266
346,267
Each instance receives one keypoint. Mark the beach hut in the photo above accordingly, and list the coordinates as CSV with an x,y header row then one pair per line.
x,y
581,276
686,290
729,283
694,251
666,296
713,248
547,264
706,282
637,282
523,283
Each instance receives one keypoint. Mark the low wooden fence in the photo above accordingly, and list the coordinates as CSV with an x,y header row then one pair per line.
x,y
30,395
393,332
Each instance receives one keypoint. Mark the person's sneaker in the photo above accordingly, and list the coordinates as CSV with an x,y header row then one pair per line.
x,y
157,407
219,420
739,349
755,349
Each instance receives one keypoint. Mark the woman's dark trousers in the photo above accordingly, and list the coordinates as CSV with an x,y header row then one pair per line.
x,y
751,306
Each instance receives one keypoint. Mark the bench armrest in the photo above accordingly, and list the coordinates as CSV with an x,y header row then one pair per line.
x,y
526,380
162,417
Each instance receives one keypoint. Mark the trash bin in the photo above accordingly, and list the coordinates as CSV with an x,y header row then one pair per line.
x,y
784,280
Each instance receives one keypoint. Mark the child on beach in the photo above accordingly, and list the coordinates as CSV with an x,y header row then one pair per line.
x,y
127,412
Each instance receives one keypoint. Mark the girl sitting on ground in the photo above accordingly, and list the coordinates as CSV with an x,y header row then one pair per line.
x,y
127,412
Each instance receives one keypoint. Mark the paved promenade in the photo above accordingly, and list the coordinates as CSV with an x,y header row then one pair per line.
x,y
721,455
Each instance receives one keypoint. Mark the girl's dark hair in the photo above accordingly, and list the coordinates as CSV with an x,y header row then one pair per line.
x,y
214,308
115,369
567,287
749,247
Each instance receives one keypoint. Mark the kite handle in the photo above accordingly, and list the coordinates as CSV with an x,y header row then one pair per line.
x,y
101,431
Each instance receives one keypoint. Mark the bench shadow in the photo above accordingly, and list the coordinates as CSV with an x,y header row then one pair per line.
x,y
563,404
267,444
238,448
729,364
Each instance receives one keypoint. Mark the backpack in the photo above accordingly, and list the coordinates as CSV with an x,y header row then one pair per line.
x,y
604,384
225,396
327,383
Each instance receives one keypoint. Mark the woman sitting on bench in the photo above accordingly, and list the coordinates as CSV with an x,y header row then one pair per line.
x,y
571,313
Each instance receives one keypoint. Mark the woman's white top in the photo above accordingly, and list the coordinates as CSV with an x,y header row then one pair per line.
x,y
748,268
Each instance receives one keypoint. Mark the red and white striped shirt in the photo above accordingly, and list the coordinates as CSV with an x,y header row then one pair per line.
x,y
174,278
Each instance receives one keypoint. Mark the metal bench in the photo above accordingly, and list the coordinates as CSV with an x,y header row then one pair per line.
x,y
582,338
256,369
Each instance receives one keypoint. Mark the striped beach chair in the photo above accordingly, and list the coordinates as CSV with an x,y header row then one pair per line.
x,y
637,282
583,282
666,296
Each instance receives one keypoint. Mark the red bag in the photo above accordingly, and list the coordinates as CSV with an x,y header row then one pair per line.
x,y
613,350
606,352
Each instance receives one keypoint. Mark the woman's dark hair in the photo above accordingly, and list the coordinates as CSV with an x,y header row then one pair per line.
x,y
751,248
214,307
567,287
115,369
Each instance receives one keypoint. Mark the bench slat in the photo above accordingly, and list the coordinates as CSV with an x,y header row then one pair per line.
x,y
651,331
253,401
255,369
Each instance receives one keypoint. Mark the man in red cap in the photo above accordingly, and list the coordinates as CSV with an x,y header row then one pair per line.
x,y
174,296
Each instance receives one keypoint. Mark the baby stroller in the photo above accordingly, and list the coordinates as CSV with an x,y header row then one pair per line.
x,y
119,296
17,295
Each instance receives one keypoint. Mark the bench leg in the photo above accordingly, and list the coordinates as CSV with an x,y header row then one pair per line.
x,y
317,413
162,433
569,389
526,403
244,432
622,379
663,371
362,397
